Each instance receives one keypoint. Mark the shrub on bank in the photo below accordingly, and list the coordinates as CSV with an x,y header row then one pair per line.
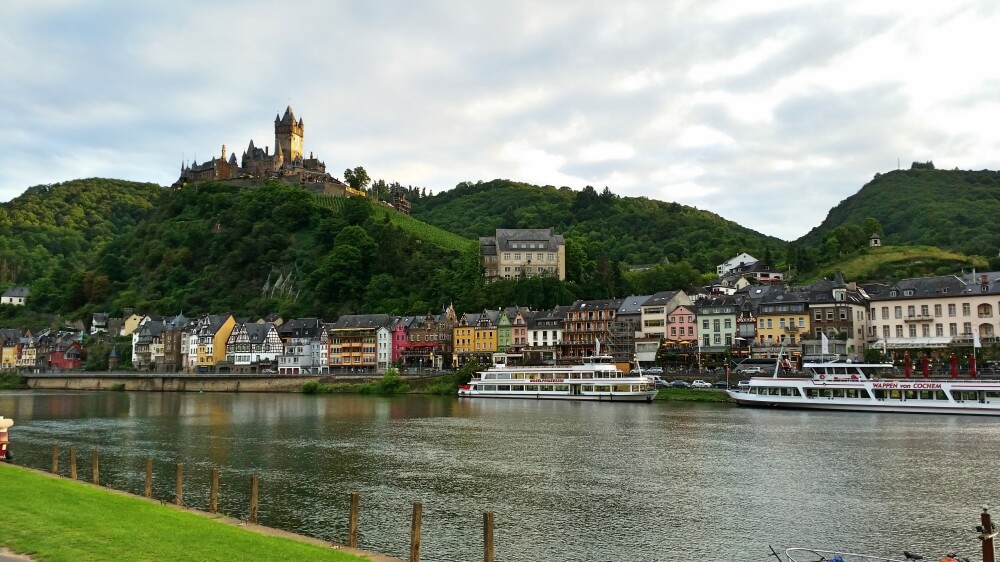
x,y
449,384
9,381
390,383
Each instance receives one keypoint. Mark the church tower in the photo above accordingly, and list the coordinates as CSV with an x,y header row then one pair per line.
x,y
288,135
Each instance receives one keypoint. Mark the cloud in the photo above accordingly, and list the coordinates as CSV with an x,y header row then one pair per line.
x,y
765,113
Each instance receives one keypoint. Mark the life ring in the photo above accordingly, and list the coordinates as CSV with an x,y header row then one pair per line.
x,y
821,377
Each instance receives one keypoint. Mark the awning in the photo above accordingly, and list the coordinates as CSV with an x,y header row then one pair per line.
x,y
912,343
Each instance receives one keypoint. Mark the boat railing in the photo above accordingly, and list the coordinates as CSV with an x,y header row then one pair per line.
x,y
814,555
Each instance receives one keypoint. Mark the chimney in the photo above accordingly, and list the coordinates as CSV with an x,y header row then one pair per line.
x,y
984,280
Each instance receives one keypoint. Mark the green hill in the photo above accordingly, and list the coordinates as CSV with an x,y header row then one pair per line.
x,y
950,209
627,230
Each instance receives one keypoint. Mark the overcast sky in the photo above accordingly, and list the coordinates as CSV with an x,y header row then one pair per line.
x,y
767,113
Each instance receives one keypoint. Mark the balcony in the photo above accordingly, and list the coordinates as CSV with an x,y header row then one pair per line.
x,y
986,315
918,318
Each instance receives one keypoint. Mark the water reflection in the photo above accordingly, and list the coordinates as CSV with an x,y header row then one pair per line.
x,y
568,481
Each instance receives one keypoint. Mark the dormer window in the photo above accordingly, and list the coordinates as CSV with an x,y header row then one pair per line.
x,y
945,290
983,288
908,292
892,293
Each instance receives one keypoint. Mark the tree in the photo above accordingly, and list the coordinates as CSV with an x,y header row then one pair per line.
x,y
357,178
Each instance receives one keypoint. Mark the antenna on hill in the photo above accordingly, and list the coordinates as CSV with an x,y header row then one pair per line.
x,y
897,163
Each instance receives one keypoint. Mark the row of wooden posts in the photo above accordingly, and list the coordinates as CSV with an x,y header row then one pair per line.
x,y
213,502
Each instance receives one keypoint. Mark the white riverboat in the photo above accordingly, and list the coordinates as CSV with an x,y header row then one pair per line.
x,y
870,387
597,379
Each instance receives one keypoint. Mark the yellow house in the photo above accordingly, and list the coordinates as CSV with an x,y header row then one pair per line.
x,y
783,318
131,324
213,333
487,332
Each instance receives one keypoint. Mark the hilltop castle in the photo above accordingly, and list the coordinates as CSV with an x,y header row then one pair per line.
x,y
286,163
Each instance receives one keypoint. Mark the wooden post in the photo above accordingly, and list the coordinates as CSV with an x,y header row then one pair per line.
x,y
55,459
989,554
488,536
254,490
418,510
213,494
97,467
72,463
149,477
179,498
352,526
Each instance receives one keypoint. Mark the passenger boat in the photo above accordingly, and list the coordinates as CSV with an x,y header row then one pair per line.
x,y
870,387
597,379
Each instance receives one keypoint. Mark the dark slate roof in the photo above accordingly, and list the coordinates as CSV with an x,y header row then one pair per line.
x,y
257,333
16,292
605,304
923,287
663,297
551,241
361,321
726,301
633,304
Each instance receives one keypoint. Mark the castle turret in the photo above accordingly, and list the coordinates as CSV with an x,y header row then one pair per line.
x,y
288,135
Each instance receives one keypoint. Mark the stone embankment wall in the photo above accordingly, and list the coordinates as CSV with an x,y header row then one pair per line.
x,y
170,383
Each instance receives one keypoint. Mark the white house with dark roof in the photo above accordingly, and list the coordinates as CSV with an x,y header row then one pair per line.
x,y
15,296
743,259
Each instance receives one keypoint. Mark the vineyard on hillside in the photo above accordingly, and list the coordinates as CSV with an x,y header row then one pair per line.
x,y
422,230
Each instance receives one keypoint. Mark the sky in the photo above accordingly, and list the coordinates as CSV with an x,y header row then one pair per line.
x,y
767,113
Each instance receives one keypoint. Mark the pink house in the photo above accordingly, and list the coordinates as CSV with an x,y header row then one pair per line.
x,y
400,340
682,325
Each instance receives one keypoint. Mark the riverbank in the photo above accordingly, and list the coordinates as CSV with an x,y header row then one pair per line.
x,y
54,519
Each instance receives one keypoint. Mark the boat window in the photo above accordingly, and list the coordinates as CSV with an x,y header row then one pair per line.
x,y
811,393
545,388
827,393
910,394
878,393
517,388
940,395
622,388
503,387
602,388
588,375
562,388
588,388
992,394
489,376
488,387
965,395
895,395
852,393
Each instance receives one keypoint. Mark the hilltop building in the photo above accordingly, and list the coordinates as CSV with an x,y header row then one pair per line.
x,y
286,163
519,253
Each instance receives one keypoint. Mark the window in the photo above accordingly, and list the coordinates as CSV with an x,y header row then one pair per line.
x,y
704,324
938,330
899,331
885,331
925,330
717,339
728,323
705,341
966,309
715,326
843,314
769,323
885,313
911,311
913,330
967,328
829,314
802,322
937,311
762,323
729,340
952,329
898,310
517,256
924,310
819,333
818,315
506,256
951,310
781,323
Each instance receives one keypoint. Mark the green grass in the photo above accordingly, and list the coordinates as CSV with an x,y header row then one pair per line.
x,y
898,261
693,395
55,520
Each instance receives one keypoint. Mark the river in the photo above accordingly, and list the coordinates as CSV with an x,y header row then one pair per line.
x,y
566,481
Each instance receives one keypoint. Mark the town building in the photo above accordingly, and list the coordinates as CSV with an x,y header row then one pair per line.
x,y
734,262
586,327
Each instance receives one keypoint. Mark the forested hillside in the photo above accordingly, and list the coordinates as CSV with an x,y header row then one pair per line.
x,y
626,230
950,209
51,234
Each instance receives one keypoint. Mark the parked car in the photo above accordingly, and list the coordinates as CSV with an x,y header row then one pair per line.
x,y
659,383
680,384
743,385
268,372
752,371
722,384
655,370
701,384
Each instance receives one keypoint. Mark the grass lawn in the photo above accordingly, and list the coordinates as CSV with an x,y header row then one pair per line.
x,y
54,519
693,395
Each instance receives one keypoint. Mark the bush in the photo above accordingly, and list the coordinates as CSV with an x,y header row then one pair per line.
x,y
390,383
310,387
11,380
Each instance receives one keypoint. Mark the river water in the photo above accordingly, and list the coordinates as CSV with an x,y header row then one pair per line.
x,y
566,481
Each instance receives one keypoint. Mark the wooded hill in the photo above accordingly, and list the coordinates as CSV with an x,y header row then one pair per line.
x,y
951,209
101,245
622,230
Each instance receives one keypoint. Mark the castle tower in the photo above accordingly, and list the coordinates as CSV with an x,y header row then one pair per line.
x,y
288,135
